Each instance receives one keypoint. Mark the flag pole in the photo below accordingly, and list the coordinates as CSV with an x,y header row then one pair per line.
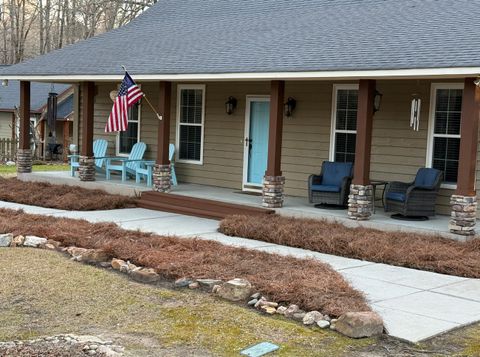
x,y
153,108
146,99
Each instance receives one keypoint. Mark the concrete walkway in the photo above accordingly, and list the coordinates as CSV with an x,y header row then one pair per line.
x,y
415,305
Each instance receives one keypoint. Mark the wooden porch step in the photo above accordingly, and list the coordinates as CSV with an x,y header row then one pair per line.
x,y
197,207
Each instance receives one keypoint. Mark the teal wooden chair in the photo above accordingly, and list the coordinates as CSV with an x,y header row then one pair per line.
x,y
145,169
99,152
127,166
171,154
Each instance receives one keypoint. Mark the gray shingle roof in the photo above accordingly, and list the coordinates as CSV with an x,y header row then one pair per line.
x,y
10,95
65,107
232,36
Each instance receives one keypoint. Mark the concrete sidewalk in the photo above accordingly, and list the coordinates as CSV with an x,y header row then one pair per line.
x,y
415,305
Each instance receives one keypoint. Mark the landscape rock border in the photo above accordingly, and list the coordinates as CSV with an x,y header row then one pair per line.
x,y
91,345
351,324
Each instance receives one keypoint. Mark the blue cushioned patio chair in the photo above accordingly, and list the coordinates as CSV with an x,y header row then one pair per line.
x,y
332,186
99,151
417,198
145,169
127,166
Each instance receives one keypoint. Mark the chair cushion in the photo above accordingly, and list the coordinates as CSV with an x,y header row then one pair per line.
x,y
334,172
396,196
326,188
426,178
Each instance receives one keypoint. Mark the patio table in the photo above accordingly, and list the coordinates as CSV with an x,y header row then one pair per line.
x,y
375,184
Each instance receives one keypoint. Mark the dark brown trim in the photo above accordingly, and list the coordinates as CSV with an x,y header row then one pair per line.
x,y
366,94
66,138
469,139
163,135
88,96
14,131
277,95
198,207
24,115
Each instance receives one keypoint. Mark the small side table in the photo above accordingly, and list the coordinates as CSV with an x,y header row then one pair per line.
x,y
375,184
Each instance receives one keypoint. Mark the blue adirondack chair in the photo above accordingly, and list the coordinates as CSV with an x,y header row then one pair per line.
x,y
145,169
127,166
99,151
171,154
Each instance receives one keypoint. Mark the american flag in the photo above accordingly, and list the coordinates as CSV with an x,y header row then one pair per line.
x,y
128,95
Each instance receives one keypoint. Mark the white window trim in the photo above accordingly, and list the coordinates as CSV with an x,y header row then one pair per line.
x,y
333,130
117,140
180,87
431,125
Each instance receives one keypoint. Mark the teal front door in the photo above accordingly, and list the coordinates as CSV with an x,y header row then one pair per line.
x,y
257,141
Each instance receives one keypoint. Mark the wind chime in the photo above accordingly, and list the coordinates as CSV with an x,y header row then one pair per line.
x,y
415,112
52,111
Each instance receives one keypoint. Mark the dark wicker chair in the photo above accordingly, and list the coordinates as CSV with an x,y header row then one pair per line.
x,y
332,186
414,199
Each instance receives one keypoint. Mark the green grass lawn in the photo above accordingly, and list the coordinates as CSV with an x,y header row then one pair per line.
x,y
4,169
42,293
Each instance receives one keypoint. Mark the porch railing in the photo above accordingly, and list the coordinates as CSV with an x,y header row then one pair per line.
x,y
8,149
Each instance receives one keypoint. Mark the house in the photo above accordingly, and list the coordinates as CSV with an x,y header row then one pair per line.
x,y
331,58
10,102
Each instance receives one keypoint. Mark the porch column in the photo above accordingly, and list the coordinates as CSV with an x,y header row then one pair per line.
x,y
66,137
360,201
86,160
273,181
464,202
162,172
24,153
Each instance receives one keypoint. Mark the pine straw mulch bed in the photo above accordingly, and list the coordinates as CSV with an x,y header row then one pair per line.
x,y
410,250
310,284
60,196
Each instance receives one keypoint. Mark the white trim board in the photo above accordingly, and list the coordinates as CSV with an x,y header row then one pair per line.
x,y
454,72
246,186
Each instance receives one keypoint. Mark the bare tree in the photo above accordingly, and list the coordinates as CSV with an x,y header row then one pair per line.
x,y
44,25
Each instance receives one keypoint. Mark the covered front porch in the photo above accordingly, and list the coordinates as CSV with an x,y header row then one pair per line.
x,y
213,143
293,206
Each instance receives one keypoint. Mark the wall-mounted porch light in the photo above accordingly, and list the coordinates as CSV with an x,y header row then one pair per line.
x,y
290,106
5,83
377,101
231,105
477,81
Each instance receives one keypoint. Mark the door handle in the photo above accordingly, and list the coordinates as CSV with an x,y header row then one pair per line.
x,y
248,142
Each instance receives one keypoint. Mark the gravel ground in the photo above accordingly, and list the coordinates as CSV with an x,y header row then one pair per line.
x,y
45,350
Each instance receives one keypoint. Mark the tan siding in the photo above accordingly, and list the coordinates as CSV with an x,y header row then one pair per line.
x,y
306,135
5,125
397,150
224,134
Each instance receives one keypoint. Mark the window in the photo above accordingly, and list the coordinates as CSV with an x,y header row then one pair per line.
x,y
344,123
190,120
444,130
126,139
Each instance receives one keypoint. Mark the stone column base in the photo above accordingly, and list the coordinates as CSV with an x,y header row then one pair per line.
x,y
360,202
464,215
24,161
86,169
162,178
272,192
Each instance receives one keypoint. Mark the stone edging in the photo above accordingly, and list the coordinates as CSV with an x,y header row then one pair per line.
x,y
92,345
351,324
